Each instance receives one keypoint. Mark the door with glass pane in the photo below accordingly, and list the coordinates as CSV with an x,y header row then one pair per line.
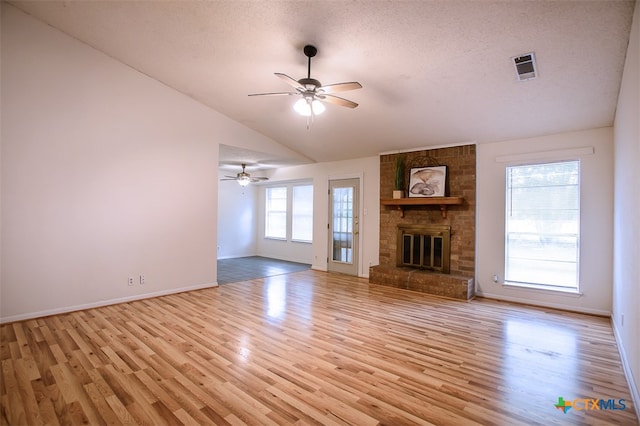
x,y
343,226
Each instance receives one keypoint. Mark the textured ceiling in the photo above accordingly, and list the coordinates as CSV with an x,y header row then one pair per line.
x,y
433,72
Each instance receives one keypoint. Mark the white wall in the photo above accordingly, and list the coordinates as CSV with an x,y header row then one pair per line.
x,y
595,223
106,174
368,170
626,266
237,219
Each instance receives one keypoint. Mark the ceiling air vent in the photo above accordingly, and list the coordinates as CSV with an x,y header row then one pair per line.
x,y
525,66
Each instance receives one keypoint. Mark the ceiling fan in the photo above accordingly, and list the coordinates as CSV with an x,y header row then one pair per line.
x,y
313,92
245,178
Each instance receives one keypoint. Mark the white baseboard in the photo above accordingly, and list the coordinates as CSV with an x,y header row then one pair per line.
x,y
101,303
579,309
325,269
235,256
628,373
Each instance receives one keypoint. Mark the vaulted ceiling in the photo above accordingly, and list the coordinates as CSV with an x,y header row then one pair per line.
x,y
433,72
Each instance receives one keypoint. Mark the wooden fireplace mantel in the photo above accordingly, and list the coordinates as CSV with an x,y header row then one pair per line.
x,y
442,202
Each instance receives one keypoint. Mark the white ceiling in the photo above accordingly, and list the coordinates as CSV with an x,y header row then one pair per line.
x,y
433,72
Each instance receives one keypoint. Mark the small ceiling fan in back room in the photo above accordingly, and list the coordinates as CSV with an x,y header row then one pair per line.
x,y
312,92
244,178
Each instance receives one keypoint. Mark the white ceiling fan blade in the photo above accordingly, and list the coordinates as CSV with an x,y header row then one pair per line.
x,y
336,100
340,87
290,81
274,94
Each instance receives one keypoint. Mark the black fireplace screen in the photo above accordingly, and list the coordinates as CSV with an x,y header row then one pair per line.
x,y
424,248
422,251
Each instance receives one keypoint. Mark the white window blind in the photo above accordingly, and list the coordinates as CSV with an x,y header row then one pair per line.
x,y
542,224
302,213
276,212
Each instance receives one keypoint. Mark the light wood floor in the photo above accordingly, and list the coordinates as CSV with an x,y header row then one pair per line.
x,y
310,348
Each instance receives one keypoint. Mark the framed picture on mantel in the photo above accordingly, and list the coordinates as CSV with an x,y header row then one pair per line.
x,y
427,181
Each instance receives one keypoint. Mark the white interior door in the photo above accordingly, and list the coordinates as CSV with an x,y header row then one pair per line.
x,y
343,226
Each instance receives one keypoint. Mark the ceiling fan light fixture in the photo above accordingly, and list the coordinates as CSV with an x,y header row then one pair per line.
x,y
305,107
244,180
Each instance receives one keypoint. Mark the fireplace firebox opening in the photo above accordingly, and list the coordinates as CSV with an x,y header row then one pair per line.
x,y
424,247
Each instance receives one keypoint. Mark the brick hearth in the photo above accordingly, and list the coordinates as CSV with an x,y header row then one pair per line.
x,y
445,285
461,182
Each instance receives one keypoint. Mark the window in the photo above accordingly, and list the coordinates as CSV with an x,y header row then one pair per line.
x,y
542,225
289,212
276,212
302,213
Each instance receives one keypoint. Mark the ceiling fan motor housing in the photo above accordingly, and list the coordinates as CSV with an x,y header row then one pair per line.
x,y
309,83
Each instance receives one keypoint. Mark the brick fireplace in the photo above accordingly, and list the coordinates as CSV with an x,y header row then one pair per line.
x,y
403,271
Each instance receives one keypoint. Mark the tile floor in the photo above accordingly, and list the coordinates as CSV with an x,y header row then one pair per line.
x,y
247,268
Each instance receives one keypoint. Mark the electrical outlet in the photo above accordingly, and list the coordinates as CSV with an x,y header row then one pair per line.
x,y
142,280
130,280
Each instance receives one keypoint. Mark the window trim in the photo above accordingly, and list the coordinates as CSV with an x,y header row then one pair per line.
x,y
541,288
556,289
